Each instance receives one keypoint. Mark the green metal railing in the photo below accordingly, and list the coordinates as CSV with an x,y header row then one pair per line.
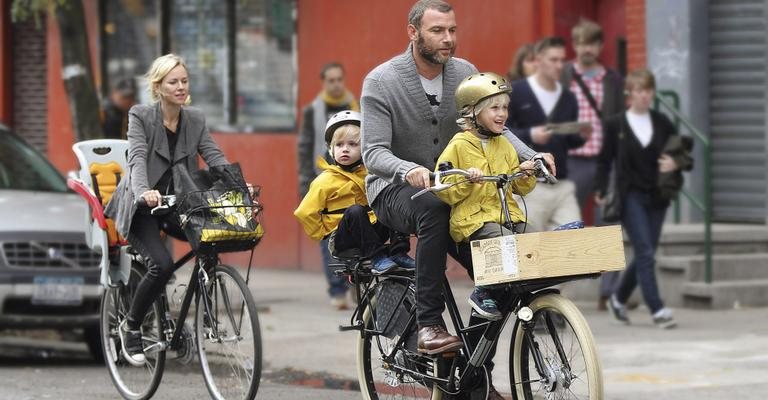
x,y
703,203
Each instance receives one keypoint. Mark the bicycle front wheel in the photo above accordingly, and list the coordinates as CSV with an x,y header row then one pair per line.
x,y
379,380
134,383
228,336
571,367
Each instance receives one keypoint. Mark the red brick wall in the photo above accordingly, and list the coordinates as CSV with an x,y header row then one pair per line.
x,y
635,15
29,82
5,62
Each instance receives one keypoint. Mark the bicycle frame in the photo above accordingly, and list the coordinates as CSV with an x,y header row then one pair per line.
x,y
196,281
517,296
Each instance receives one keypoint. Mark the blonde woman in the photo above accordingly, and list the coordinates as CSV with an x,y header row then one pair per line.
x,y
160,135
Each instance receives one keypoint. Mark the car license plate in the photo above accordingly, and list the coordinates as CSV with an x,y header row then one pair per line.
x,y
58,290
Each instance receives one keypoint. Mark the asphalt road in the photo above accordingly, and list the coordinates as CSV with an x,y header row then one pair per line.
x,y
711,355
46,369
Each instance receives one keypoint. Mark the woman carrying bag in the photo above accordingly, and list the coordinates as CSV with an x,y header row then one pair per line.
x,y
160,136
636,138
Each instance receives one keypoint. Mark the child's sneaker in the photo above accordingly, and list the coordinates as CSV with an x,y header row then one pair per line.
x,y
483,304
618,310
664,319
404,261
381,265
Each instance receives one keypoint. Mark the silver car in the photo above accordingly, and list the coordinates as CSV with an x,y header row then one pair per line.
x,y
49,278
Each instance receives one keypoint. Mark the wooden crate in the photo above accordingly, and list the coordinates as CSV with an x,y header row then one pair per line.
x,y
547,254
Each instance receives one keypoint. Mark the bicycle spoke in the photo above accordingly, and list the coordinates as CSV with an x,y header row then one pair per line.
x,y
228,344
132,382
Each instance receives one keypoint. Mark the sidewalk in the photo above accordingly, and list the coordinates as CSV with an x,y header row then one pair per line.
x,y
711,355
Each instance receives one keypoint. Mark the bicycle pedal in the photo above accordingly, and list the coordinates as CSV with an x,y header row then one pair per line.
x,y
345,328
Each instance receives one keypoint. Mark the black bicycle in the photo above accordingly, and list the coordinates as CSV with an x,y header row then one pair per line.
x,y
225,333
552,353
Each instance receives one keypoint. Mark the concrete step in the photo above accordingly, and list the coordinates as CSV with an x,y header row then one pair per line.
x,y
682,239
725,267
726,294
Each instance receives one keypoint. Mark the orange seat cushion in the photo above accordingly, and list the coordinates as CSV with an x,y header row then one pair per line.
x,y
105,178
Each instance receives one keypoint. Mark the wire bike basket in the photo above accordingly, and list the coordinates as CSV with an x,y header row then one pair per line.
x,y
221,219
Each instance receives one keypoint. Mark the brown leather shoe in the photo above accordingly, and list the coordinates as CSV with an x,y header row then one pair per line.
x,y
435,339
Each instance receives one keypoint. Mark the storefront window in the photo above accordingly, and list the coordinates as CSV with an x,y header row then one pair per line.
x,y
129,39
199,35
240,54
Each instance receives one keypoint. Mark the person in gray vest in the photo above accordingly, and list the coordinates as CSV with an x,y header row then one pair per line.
x,y
333,97
409,116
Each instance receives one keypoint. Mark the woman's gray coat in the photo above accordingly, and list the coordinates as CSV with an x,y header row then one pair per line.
x,y
149,156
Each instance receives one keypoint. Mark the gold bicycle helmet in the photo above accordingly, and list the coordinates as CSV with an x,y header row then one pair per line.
x,y
477,87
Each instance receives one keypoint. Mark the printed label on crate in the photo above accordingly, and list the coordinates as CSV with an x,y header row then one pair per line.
x,y
493,258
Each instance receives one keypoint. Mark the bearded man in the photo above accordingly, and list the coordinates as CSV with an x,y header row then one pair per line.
x,y
409,116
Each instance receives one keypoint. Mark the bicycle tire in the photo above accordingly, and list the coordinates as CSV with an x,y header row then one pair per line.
x,y
372,374
586,377
133,383
230,358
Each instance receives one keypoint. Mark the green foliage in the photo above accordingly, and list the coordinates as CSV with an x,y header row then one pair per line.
x,y
21,10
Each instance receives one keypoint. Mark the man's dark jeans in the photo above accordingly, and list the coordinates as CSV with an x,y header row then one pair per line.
x,y
427,217
642,220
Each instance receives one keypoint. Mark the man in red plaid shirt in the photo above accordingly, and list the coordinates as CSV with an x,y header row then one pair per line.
x,y
586,78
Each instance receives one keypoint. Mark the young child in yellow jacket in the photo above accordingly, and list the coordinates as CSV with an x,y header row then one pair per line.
x,y
480,149
336,205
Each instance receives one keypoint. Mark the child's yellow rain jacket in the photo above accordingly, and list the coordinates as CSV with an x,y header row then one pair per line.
x,y
472,204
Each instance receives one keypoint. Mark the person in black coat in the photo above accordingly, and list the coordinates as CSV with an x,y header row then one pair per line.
x,y
635,139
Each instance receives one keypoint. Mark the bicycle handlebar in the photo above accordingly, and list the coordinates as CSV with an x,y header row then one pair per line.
x,y
540,171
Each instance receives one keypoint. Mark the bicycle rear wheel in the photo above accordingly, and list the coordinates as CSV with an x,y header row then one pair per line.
x,y
567,349
228,336
378,380
134,383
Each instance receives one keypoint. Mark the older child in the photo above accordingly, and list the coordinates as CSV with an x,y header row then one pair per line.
x,y
336,202
482,101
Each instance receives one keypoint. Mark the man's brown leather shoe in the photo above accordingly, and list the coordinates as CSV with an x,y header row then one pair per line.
x,y
435,339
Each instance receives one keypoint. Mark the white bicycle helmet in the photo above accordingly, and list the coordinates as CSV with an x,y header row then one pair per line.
x,y
339,119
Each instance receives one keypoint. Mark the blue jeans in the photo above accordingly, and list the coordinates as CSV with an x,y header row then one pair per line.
x,y
337,285
642,220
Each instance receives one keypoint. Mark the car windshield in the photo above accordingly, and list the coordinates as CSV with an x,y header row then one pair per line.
x,y
23,168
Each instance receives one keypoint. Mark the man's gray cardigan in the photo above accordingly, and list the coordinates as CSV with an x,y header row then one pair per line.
x,y
399,130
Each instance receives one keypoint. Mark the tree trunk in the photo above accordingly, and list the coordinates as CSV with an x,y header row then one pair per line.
x,y
76,71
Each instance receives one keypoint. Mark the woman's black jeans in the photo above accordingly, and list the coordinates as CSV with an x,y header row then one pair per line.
x,y
145,238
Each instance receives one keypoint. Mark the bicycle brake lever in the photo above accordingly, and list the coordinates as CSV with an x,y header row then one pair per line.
x,y
539,162
419,193
435,188
159,210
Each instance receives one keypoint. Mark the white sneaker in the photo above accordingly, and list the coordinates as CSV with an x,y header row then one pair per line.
x,y
664,319
135,358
